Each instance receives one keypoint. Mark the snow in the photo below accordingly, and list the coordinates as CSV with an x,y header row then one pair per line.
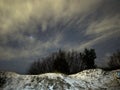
x,y
86,80
51,87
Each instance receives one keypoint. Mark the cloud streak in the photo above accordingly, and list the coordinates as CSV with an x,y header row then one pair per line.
x,y
18,13
21,21
31,48
110,24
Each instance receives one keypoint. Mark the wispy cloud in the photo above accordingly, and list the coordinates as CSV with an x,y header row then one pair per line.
x,y
31,48
100,31
25,23
18,13
106,25
22,23
97,40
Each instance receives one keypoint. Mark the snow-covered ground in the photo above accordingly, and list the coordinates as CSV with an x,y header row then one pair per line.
x,y
93,79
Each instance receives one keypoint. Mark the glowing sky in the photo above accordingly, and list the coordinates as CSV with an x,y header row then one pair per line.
x,y
30,29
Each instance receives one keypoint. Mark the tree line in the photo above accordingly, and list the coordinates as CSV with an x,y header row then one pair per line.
x,y
64,62
70,62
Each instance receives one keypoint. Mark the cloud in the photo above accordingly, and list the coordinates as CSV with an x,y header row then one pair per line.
x,y
31,48
96,40
18,13
100,31
26,22
106,25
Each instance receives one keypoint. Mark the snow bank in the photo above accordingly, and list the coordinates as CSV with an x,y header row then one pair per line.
x,y
93,79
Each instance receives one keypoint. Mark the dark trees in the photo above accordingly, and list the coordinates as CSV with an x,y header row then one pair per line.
x,y
88,58
41,66
114,62
37,67
65,62
60,63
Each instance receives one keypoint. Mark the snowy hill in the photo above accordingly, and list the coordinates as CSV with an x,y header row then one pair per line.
x,y
93,79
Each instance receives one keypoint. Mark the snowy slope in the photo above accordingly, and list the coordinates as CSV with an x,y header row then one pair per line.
x,y
93,79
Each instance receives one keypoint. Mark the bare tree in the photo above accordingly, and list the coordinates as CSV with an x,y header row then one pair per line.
x,y
114,62
64,62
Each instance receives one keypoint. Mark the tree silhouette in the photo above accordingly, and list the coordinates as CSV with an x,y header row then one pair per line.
x,y
88,58
114,62
60,63
65,62
40,66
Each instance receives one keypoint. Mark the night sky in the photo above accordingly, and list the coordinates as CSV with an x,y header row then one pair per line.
x,y
32,29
